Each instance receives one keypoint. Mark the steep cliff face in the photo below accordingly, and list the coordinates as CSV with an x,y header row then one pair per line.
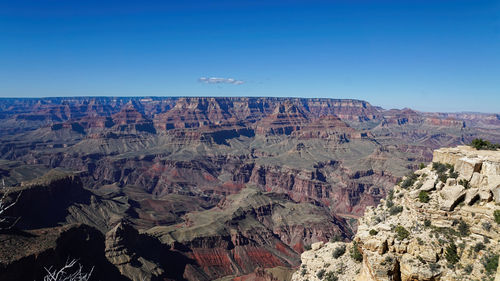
x,y
43,202
440,223
247,231
141,257
24,255
58,197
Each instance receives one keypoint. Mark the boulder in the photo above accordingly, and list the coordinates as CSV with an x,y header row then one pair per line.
x,y
496,194
439,186
471,196
428,184
376,245
491,168
478,180
451,196
451,181
485,195
317,246
428,252
467,166
414,270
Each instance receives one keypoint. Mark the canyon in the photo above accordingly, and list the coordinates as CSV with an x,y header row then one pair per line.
x,y
203,188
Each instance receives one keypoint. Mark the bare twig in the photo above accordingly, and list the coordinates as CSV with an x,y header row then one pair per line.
x,y
64,274
4,207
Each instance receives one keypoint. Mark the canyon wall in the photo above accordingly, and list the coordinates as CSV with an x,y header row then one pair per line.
x,y
440,223
143,168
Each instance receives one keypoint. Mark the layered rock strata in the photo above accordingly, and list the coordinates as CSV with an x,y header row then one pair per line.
x,y
440,223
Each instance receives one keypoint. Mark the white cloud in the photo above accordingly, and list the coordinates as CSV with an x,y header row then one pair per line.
x,y
218,80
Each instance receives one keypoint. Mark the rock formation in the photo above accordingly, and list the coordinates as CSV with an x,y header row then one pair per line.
x,y
129,165
249,230
24,255
440,223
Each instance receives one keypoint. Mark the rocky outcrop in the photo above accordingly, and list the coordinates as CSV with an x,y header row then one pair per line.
x,y
438,224
44,202
141,257
58,197
24,255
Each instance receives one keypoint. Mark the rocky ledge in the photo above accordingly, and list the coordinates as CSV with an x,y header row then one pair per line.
x,y
441,222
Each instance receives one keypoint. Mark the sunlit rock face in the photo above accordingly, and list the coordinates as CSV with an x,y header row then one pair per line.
x,y
438,224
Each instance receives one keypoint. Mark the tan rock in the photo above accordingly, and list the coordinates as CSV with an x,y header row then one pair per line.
x,y
376,245
439,186
491,168
471,195
496,194
451,195
317,245
428,184
467,166
478,180
421,255
428,252
485,195
451,181
412,269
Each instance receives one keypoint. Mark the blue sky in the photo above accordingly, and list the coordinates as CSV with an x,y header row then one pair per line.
x,y
427,55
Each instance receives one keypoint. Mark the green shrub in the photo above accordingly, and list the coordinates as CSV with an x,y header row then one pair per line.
x,y
434,267
439,167
389,203
490,263
451,254
421,166
423,197
373,232
303,272
478,247
468,269
453,175
463,228
338,252
336,238
395,210
330,276
307,247
401,232
481,144
452,172
420,241
427,223
320,274
443,177
410,180
390,196
355,253
388,260
496,215
464,183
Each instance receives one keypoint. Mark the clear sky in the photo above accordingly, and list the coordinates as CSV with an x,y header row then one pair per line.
x,y
428,55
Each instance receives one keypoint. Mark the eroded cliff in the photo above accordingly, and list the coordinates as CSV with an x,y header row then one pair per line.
x,y
440,223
